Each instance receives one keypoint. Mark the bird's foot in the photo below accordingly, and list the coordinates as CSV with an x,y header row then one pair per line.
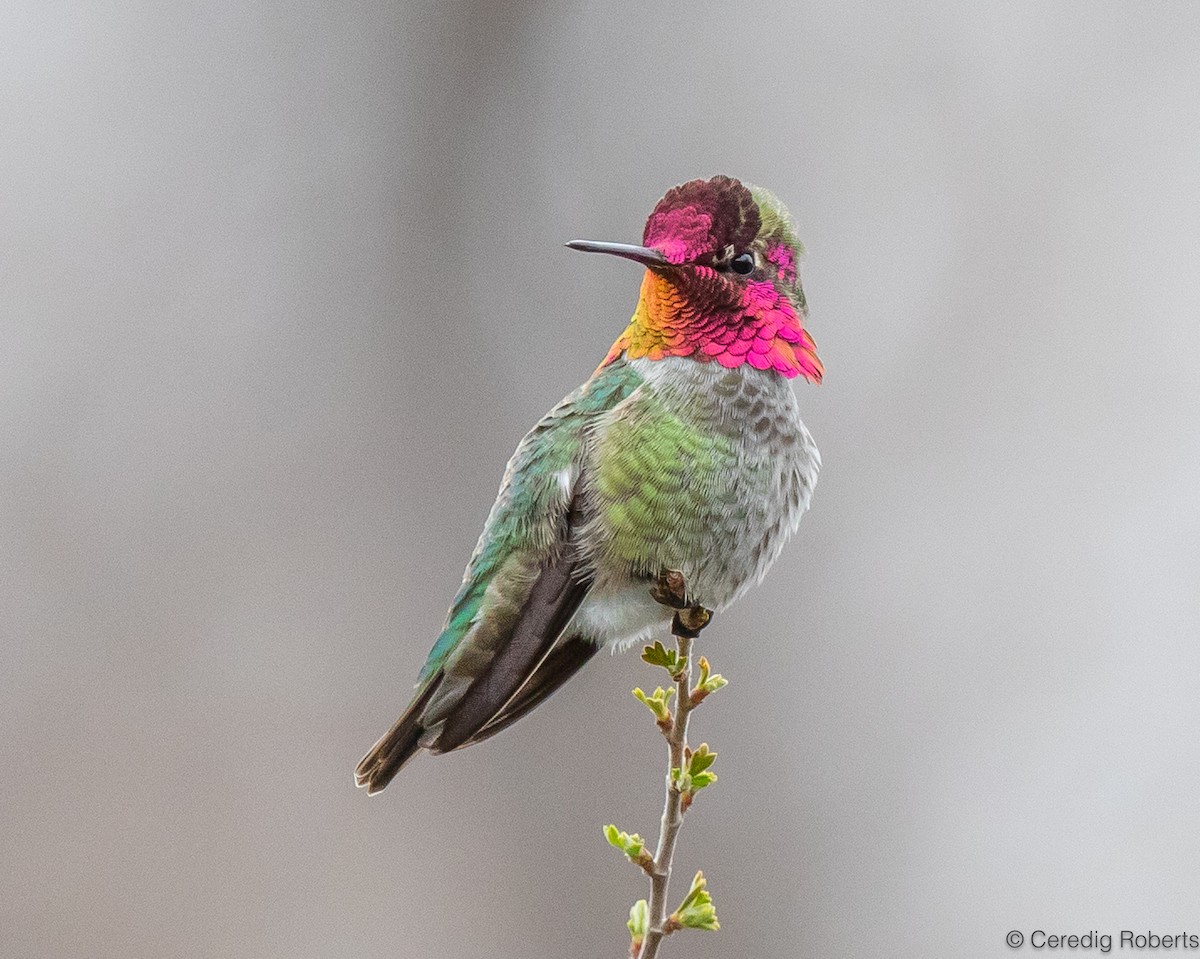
x,y
671,590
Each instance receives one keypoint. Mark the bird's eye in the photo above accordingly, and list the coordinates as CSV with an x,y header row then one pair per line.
x,y
743,264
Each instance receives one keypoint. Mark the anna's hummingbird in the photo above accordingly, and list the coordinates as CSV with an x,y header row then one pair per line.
x,y
684,451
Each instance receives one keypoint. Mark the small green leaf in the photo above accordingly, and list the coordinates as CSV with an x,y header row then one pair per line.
x,y
657,655
701,759
700,780
714,682
668,659
632,845
707,683
656,702
639,921
695,776
697,910
634,848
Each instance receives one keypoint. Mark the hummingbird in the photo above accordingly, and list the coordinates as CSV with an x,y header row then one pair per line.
x,y
684,452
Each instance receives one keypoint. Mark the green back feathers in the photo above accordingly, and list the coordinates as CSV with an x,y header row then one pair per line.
x,y
520,531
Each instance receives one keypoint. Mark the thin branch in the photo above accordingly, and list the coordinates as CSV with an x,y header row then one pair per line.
x,y
686,626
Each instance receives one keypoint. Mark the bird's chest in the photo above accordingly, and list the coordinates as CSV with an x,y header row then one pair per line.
x,y
705,470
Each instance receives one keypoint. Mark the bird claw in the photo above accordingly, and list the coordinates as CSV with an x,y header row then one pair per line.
x,y
670,590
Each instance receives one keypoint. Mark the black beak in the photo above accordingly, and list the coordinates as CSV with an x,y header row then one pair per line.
x,y
640,254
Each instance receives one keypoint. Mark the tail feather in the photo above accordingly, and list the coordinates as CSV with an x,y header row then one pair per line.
x,y
397,746
400,743
486,654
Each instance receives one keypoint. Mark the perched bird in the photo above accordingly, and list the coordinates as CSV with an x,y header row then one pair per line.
x,y
684,451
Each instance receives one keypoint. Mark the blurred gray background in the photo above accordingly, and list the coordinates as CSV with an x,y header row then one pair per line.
x,y
281,286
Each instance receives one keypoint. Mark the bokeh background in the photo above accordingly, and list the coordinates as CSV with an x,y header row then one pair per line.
x,y
281,286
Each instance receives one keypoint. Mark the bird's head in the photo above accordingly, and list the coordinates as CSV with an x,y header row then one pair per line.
x,y
721,284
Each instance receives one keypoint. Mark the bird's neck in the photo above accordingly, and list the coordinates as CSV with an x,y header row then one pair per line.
x,y
705,318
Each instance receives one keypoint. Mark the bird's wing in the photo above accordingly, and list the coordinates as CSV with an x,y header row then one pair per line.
x,y
523,584
508,641
565,660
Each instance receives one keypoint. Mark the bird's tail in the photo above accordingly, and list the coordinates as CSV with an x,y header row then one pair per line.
x,y
397,746
489,709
